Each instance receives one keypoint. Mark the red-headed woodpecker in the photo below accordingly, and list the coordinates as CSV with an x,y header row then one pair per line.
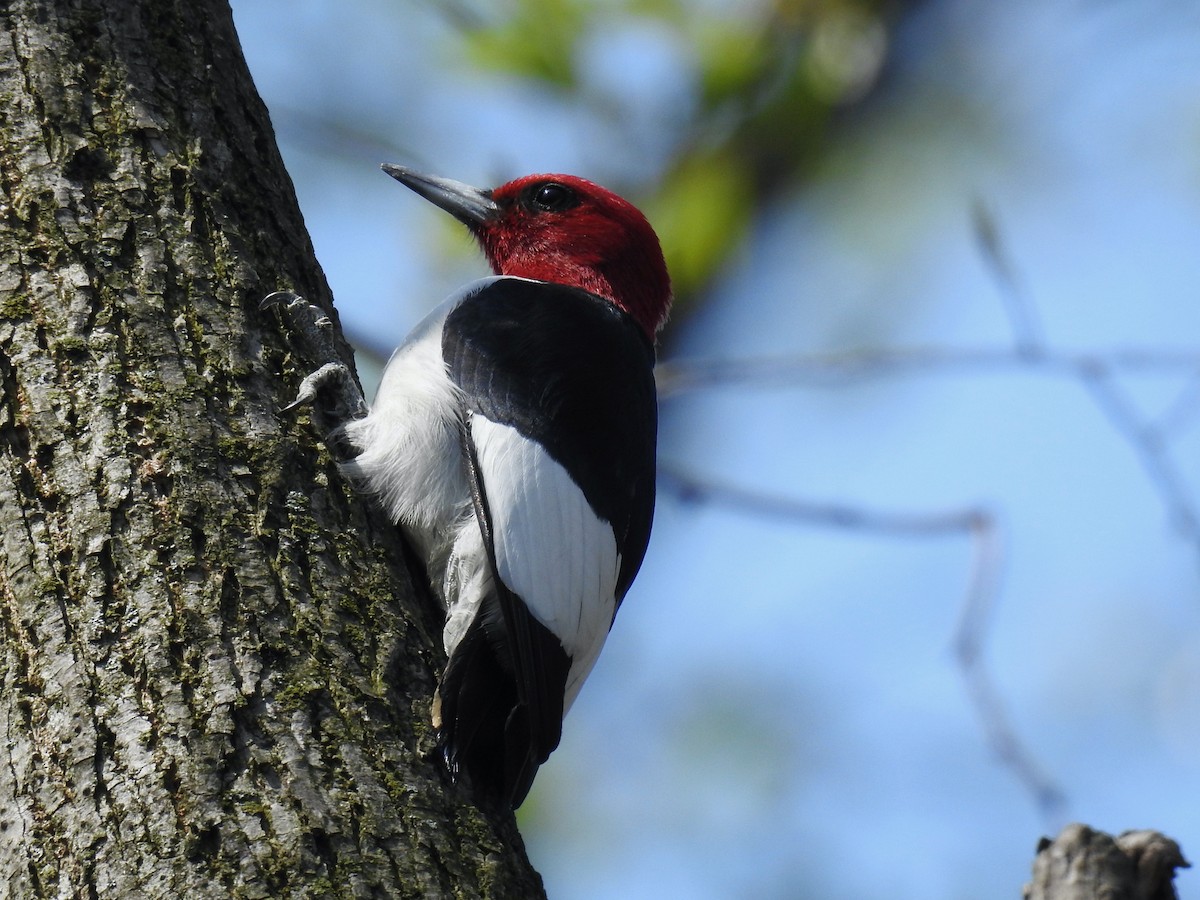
x,y
513,438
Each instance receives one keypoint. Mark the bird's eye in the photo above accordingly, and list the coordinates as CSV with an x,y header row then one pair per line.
x,y
552,197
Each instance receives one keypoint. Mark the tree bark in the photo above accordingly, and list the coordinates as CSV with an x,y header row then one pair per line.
x,y
1084,864
215,677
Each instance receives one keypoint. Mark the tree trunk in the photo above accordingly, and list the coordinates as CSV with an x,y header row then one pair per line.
x,y
1084,864
215,676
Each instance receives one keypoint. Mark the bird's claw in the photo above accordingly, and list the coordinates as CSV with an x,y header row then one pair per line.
x,y
311,330
333,373
306,319
280,298
304,316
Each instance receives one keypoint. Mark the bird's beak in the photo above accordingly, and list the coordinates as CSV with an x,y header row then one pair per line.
x,y
469,205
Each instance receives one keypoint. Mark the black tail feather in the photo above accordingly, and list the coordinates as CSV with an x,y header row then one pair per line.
x,y
488,736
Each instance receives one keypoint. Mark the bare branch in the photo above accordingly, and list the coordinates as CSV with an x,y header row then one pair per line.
x,y
983,587
1151,449
1097,375
690,488
838,368
1022,314
1001,734
1182,413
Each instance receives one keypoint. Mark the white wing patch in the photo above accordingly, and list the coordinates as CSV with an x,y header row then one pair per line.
x,y
551,548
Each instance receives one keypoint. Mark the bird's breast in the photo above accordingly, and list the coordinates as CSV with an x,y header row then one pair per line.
x,y
409,444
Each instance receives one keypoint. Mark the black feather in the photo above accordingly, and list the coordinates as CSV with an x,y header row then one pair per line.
x,y
569,370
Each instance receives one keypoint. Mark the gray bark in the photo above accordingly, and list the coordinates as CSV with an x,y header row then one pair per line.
x,y
214,676
1084,864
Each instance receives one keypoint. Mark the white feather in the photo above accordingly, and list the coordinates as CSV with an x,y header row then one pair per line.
x,y
551,548
410,455
409,444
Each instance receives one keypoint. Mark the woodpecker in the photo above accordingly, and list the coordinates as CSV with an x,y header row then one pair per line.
x,y
513,440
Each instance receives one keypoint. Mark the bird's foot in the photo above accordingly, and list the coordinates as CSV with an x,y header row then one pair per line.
x,y
331,377
331,391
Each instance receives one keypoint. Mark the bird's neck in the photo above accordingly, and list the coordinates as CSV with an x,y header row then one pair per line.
x,y
635,290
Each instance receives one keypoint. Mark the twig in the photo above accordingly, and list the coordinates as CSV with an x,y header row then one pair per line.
x,y
980,599
1182,413
977,524
838,368
1022,314
690,488
1151,450
1148,442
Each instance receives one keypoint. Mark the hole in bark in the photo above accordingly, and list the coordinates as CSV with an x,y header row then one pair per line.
x,y
199,542
271,777
179,187
34,879
323,848
106,745
171,778
89,164
231,594
205,844
45,456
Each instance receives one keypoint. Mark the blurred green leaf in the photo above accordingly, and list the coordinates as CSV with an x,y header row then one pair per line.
x,y
732,60
538,40
700,214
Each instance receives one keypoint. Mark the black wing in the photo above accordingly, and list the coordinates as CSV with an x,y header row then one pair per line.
x,y
568,371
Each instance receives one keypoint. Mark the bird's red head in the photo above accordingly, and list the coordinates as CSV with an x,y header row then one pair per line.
x,y
562,229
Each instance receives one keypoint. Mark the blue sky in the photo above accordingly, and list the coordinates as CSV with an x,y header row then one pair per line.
x,y
778,712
